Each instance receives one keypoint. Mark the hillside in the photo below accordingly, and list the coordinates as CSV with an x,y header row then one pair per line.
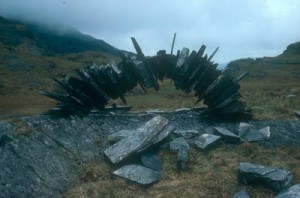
x,y
272,87
30,58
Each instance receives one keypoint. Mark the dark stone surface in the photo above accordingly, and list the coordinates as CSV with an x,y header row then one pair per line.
x,y
271,177
242,194
151,160
291,192
138,174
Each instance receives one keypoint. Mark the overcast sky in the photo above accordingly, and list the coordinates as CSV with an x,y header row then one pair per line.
x,y
241,28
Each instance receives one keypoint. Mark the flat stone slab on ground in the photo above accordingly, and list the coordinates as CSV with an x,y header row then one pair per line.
x,y
271,177
138,174
150,133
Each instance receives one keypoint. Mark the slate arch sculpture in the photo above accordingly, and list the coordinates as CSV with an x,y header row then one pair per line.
x,y
96,85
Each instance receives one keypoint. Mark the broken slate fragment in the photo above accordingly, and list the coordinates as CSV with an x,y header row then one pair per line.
x,y
249,133
227,135
138,174
178,143
292,192
182,158
241,194
145,136
151,160
206,141
271,177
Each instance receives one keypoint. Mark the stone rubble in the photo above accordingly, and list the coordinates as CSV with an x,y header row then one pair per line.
x,y
47,161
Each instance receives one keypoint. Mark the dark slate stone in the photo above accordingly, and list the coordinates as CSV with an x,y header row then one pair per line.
x,y
291,192
138,174
182,158
207,141
249,133
241,194
271,177
178,143
227,135
145,136
151,160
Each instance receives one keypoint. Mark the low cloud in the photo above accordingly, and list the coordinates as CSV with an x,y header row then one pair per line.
x,y
249,28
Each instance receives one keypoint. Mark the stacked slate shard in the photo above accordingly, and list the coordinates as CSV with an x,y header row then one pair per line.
x,y
191,72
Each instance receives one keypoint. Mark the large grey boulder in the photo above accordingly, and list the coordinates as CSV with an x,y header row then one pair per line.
x,y
138,174
206,141
271,177
149,134
291,192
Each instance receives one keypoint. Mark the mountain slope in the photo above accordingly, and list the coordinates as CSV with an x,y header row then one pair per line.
x,y
30,58
272,88
69,41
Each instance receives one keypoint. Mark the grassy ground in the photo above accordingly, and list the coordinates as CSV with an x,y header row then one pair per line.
x,y
210,174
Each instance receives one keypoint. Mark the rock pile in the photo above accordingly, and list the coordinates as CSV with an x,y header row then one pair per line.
x,y
46,160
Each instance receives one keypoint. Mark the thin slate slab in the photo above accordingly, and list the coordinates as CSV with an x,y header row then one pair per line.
x,y
227,135
206,141
291,192
138,173
271,177
146,136
297,114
